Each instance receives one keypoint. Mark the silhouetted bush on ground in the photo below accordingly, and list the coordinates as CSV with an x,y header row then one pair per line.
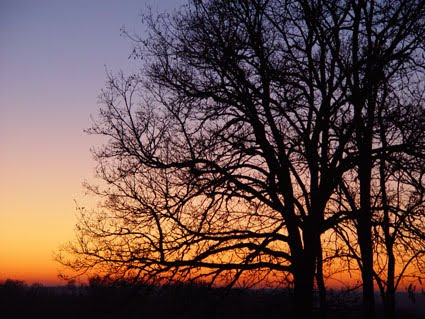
x,y
100,300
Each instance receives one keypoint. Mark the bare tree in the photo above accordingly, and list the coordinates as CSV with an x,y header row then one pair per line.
x,y
398,205
228,153
397,202
379,46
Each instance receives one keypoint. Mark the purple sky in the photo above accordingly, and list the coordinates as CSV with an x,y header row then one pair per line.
x,y
53,55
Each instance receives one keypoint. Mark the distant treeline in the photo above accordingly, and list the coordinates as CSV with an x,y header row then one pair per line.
x,y
104,298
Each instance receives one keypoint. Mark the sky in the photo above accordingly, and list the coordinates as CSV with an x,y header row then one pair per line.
x,y
53,59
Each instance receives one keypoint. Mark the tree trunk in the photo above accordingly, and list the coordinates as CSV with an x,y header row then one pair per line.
x,y
303,291
389,302
365,243
364,232
304,273
321,283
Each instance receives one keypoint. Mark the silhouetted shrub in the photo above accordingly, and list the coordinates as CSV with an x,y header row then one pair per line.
x,y
13,287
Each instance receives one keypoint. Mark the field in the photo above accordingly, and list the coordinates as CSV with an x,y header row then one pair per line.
x,y
180,301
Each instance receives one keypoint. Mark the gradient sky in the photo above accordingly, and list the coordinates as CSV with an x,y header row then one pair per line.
x,y
53,55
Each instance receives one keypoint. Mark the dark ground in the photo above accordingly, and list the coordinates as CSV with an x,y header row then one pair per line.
x,y
172,302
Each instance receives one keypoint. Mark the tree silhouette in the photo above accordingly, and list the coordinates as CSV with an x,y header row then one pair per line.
x,y
397,204
242,140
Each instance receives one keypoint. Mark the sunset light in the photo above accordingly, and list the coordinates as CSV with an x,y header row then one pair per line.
x,y
212,159
53,61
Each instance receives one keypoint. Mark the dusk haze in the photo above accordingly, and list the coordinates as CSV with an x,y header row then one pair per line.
x,y
53,61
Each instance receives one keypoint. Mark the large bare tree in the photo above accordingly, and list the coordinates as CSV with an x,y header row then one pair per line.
x,y
227,154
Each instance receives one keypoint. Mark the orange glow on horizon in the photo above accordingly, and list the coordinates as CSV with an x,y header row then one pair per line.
x,y
32,229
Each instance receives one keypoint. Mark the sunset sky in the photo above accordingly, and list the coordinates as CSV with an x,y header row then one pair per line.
x,y
53,55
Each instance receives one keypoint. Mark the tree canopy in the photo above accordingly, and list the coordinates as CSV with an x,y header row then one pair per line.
x,y
254,132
